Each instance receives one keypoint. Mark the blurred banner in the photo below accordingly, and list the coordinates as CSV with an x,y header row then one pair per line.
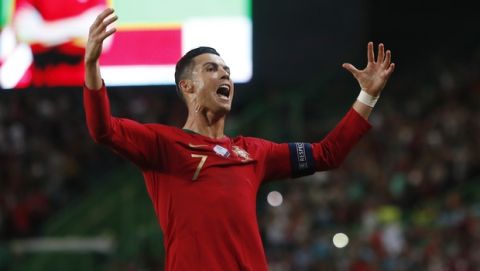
x,y
100,244
43,41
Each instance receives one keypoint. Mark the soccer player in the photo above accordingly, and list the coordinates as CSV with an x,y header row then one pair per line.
x,y
203,183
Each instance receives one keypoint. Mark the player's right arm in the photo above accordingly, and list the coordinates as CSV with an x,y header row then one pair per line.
x,y
129,138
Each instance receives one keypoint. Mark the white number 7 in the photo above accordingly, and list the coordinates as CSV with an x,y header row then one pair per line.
x,y
200,165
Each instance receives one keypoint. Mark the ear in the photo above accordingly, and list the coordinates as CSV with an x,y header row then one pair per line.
x,y
186,85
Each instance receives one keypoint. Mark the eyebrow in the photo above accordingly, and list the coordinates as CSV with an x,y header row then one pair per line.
x,y
225,67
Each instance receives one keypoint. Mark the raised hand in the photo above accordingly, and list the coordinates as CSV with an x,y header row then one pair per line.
x,y
98,33
374,76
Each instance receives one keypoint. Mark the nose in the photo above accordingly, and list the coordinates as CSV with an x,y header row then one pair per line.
x,y
224,74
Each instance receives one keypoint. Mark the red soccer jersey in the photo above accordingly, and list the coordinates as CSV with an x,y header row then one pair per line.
x,y
204,190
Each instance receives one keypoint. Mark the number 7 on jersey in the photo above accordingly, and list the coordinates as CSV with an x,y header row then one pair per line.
x,y
203,158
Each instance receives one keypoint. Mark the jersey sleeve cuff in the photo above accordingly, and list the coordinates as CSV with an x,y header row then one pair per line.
x,y
94,90
361,123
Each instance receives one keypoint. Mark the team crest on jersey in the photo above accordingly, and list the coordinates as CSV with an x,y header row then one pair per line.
x,y
241,153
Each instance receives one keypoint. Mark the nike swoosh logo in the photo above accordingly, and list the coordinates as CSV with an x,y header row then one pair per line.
x,y
196,146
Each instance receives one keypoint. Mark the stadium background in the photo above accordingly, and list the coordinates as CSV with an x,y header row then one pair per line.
x,y
407,197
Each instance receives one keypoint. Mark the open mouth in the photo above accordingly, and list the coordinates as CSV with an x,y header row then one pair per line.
x,y
224,91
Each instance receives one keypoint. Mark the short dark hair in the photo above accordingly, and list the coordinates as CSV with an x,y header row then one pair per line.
x,y
185,63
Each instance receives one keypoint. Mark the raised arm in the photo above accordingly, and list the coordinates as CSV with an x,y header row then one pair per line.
x,y
334,148
372,78
134,141
300,159
330,152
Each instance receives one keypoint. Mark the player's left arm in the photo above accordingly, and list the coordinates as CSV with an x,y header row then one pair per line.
x,y
334,148
299,159
330,152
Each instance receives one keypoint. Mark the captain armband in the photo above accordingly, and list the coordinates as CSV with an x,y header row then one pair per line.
x,y
301,159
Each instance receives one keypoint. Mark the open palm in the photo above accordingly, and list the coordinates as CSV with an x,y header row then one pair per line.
x,y
98,33
374,76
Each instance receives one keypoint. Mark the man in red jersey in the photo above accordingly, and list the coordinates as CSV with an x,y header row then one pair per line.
x,y
56,31
202,183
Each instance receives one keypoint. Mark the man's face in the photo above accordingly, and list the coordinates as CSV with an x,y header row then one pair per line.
x,y
212,83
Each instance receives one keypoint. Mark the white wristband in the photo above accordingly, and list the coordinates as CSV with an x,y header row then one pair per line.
x,y
367,99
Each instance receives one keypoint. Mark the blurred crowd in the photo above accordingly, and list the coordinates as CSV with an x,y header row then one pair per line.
x,y
41,148
47,156
405,196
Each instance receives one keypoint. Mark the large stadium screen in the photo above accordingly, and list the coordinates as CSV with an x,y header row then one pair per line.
x,y
42,41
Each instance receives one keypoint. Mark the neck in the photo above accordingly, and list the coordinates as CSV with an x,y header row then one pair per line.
x,y
206,123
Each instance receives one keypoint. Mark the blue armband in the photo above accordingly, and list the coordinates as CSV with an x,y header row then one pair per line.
x,y
301,159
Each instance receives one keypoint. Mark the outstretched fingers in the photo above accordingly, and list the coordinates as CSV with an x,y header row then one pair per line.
x,y
349,67
370,54
381,53
101,17
99,31
390,69
99,28
107,34
110,20
105,25
387,60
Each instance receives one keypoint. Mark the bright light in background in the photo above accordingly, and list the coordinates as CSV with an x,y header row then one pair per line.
x,y
19,58
340,240
233,44
275,199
